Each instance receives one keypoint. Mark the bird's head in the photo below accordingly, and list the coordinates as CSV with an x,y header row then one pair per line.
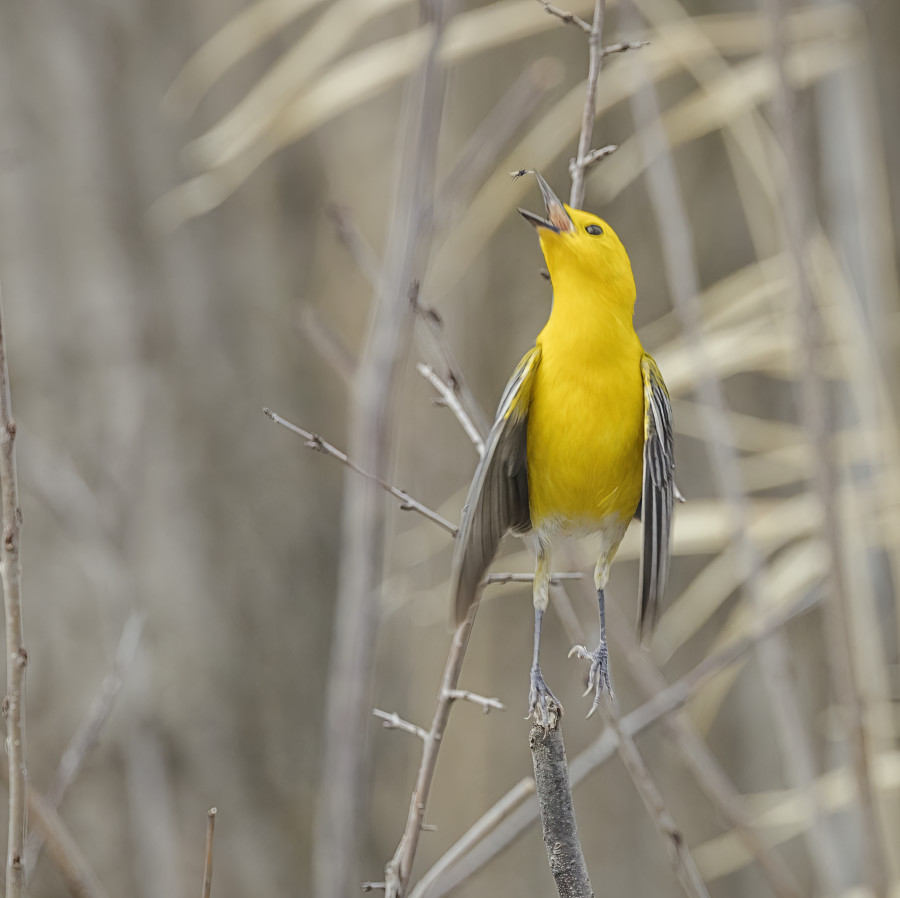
x,y
581,248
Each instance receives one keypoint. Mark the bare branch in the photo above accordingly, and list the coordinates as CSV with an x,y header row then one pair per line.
x,y
592,158
85,737
551,776
449,398
360,249
16,656
486,703
395,722
208,863
698,758
623,47
555,578
399,868
327,343
567,17
576,196
485,840
316,443
62,849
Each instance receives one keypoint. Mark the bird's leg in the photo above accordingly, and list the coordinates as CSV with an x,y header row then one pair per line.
x,y
543,705
598,675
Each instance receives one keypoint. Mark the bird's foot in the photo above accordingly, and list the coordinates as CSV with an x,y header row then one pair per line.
x,y
598,675
543,705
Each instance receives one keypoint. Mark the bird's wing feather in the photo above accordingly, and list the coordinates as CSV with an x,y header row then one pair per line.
x,y
498,497
657,497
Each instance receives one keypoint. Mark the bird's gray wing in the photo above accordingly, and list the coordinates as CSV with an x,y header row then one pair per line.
x,y
657,497
498,497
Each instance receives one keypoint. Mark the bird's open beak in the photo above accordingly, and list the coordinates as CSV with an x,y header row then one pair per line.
x,y
557,219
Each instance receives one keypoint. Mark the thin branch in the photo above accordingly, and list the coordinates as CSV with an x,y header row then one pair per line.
x,y
487,704
16,656
595,44
487,837
702,763
399,868
591,159
208,863
449,398
327,343
623,47
680,856
360,249
62,849
555,578
407,503
551,777
395,722
85,737
567,17
795,193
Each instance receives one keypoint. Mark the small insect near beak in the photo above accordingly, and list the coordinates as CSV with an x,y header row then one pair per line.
x,y
557,219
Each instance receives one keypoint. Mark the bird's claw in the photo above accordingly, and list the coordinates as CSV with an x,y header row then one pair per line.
x,y
543,705
598,675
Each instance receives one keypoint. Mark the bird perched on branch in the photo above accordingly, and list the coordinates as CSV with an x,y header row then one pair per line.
x,y
582,441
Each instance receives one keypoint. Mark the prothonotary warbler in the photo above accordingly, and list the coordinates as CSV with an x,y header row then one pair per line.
x,y
582,441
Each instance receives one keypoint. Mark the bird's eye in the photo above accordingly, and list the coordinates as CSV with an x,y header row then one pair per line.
x,y
594,229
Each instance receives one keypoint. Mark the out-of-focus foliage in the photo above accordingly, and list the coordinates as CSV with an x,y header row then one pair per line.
x,y
167,171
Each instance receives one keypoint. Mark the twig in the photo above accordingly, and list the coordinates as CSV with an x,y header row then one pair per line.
x,y
485,840
680,857
449,398
85,737
567,17
327,343
208,863
316,443
360,249
702,763
591,159
16,656
551,777
432,326
576,196
62,849
486,703
399,868
623,47
555,578
817,414
396,722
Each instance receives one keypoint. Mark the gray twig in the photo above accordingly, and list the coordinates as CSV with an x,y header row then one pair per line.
x,y
16,656
394,721
513,813
399,868
85,737
486,704
551,777
208,862
317,444
680,856
450,399
595,44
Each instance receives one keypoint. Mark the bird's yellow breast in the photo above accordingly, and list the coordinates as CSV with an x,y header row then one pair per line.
x,y
585,426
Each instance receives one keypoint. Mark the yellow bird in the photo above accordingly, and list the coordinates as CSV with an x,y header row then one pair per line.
x,y
582,440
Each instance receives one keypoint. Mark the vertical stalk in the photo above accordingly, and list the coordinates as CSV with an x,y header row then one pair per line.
x,y
16,656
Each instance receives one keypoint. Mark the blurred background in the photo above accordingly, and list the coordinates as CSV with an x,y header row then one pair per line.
x,y
203,208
